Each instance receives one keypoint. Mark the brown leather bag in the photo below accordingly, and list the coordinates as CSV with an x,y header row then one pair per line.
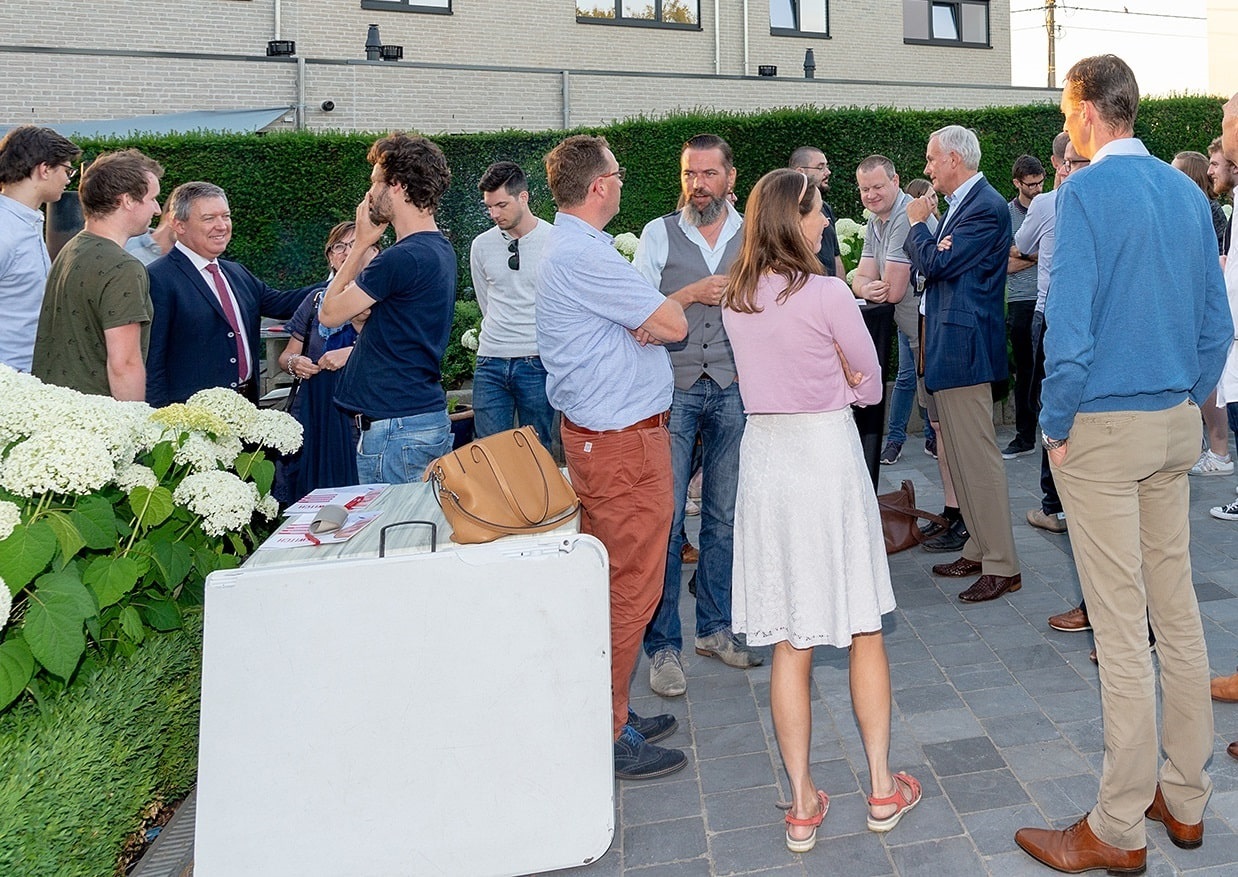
x,y
499,485
900,519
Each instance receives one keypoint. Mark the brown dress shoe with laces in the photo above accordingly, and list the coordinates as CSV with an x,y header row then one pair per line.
x,y
1225,688
1071,621
957,569
1232,749
991,587
1184,835
1077,849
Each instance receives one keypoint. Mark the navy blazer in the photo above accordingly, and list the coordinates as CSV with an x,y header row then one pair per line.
x,y
964,339
191,343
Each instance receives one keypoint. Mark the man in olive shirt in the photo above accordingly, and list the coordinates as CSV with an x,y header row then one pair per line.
x,y
94,326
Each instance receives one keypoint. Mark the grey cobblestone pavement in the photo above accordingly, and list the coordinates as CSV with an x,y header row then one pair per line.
x,y
995,713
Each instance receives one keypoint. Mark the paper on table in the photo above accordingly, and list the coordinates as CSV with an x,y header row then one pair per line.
x,y
355,498
295,531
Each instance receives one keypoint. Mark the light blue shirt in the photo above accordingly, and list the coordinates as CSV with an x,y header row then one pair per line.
x,y
24,264
588,299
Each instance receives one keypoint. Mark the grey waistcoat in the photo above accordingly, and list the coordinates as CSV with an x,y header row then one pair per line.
x,y
706,350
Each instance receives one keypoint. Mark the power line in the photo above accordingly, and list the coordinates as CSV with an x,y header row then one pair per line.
x,y
1122,11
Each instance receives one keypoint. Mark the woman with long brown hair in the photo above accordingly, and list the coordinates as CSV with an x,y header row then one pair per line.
x,y
810,566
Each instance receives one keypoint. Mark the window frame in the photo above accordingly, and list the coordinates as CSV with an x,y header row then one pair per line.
x,y
959,43
621,21
796,31
406,6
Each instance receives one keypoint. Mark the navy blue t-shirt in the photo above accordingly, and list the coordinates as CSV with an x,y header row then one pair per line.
x,y
395,368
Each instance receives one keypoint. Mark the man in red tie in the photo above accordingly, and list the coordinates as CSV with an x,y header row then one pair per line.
x,y
207,309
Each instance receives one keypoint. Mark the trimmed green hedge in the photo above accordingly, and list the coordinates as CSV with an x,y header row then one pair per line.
x,y
75,775
287,190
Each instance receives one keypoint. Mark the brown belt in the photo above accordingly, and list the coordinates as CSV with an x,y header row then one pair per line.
x,y
655,420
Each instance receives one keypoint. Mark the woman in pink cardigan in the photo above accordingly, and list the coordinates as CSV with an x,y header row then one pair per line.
x,y
810,566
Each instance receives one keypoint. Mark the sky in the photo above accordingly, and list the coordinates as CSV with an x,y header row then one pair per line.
x,y
1165,43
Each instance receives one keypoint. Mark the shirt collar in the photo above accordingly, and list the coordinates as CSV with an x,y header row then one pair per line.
x,y
900,206
732,224
966,186
569,222
199,262
20,210
1121,146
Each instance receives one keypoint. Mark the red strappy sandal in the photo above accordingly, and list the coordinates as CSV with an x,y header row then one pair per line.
x,y
803,846
903,802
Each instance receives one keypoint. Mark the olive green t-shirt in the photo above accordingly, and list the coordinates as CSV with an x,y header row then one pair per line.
x,y
94,285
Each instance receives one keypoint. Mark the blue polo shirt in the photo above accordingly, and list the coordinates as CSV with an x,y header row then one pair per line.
x,y
589,297
23,276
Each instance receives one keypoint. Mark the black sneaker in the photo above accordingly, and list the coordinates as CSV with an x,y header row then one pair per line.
x,y
637,760
1018,448
930,447
951,539
653,728
891,453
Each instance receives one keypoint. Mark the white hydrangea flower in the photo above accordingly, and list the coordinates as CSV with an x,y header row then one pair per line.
x,y
136,475
626,244
268,507
470,340
68,461
224,502
6,604
201,454
275,429
846,227
235,410
10,517
179,417
844,248
851,276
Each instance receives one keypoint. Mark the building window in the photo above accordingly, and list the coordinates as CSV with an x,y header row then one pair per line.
x,y
798,18
946,23
642,13
437,7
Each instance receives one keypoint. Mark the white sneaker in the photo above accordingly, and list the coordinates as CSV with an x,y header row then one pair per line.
x,y
1225,512
1210,464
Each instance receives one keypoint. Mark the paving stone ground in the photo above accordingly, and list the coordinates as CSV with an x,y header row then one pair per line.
x,y
994,712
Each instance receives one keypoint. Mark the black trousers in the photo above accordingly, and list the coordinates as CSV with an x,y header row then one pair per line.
x,y
1027,376
871,420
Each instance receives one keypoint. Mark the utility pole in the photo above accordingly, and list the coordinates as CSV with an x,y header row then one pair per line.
x,y
1051,27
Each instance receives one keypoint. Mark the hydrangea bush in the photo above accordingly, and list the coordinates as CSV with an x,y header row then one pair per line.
x,y
112,514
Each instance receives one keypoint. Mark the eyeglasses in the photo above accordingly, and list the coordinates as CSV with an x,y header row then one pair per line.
x,y
621,173
1078,162
342,247
69,171
823,166
513,261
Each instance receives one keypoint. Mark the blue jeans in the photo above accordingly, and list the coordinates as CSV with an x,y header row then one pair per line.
x,y
397,451
507,390
718,416
904,395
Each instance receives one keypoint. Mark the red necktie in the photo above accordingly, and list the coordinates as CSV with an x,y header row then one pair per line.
x,y
225,301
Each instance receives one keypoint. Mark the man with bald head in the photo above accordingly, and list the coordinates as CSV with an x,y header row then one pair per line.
x,y
964,349
1120,419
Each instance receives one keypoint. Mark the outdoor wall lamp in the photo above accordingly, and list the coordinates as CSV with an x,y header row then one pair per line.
x,y
281,47
810,65
767,70
392,53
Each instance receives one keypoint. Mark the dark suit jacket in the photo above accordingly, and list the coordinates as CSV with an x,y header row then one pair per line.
x,y
191,343
964,322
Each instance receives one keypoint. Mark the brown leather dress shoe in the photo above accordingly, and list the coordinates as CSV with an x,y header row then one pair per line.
x,y
1225,689
689,553
1184,835
957,569
1077,849
1232,749
991,587
1070,621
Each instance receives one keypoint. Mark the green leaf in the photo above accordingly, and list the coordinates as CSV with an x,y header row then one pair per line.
x,y
162,615
110,578
151,506
131,624
263,474
26,553
95,519
161,457
53,626
173,561
67,534
16,669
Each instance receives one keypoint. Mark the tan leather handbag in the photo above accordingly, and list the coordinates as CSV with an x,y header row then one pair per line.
x,y
499,485
900,519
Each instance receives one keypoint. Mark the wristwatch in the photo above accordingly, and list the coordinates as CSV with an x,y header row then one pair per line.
x,y
1051,444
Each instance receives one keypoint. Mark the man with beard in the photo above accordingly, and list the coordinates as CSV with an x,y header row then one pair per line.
x,y
393,384
811,162
509,384
686,255
1222,173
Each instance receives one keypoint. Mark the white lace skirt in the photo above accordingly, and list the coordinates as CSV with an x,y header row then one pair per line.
x,y
810,563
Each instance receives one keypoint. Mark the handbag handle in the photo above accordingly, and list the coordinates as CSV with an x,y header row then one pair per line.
x,y
912,510
512,501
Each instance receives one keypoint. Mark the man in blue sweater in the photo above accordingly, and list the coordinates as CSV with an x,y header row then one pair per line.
x,y
1120,419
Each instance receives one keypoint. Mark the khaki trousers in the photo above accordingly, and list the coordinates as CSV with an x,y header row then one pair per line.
x,y
970,446
1124,487
625,487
